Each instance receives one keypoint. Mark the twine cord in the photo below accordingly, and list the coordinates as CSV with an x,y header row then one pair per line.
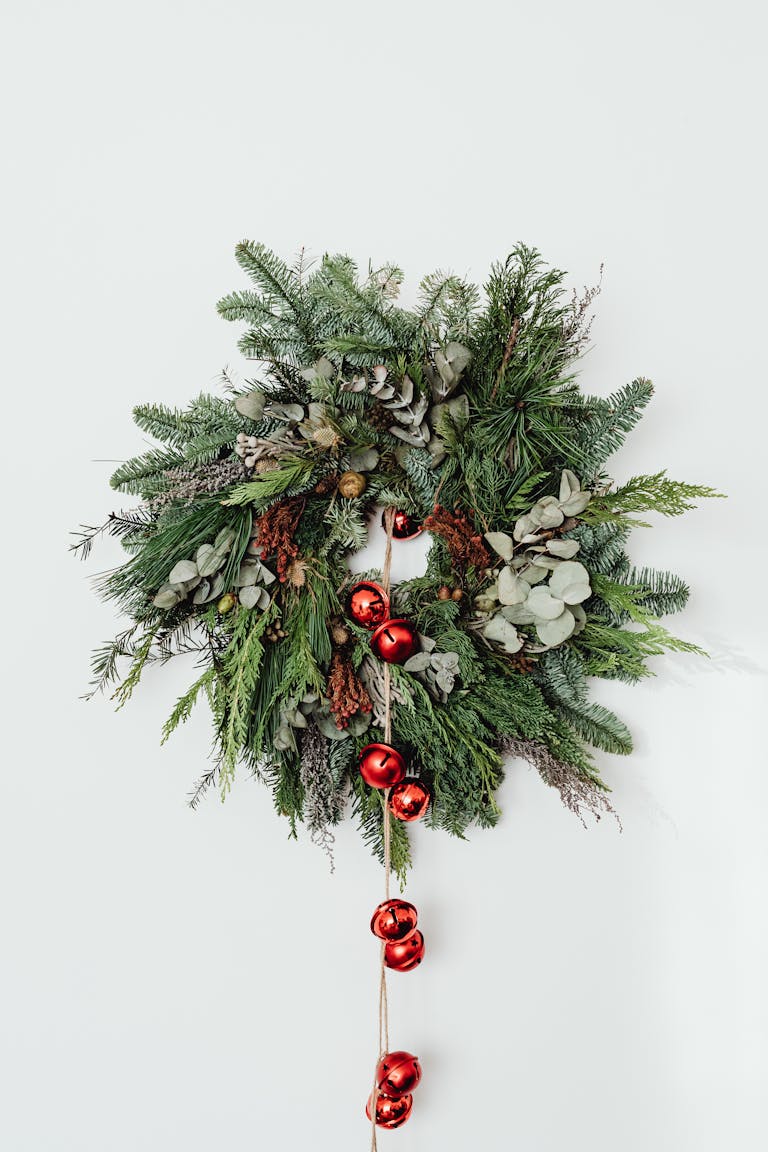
x,y
389,520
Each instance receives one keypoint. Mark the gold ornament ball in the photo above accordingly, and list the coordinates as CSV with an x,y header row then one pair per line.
x,y
351,484
444,593
227,602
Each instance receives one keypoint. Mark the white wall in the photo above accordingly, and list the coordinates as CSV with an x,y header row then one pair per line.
x,y
173,980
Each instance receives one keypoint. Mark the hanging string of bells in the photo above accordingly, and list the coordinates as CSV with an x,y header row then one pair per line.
x,y
394,921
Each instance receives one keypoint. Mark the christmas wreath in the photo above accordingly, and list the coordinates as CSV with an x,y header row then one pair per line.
x,y
460,417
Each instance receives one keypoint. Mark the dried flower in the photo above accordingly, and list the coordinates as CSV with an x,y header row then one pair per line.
x,y
275,530
462,540
346,692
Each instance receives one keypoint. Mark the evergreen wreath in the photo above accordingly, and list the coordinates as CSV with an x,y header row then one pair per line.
x,y
463,414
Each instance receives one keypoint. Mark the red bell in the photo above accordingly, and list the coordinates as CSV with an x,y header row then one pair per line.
x,y
397,1074
368,604
395,641
409,799
404,527
390,1113
405,955
394,920
381,765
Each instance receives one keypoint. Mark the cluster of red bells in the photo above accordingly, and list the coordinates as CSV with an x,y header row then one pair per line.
x,y
394,641
394,922
397,1074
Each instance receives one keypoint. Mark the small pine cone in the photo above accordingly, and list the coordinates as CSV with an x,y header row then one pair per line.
x,y
327,485
380,417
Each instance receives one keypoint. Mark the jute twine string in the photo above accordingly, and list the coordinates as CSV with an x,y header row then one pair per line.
x,y
389,519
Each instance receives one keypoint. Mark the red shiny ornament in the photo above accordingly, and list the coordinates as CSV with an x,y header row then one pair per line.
x,y
394,920
397,1074
409,799
390,1113
404,527
405,955
368,604
395,641
381,765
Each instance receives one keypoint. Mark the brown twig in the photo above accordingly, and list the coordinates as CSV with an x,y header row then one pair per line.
x,y
511,341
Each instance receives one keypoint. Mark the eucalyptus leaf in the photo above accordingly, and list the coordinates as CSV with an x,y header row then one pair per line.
x,y
503,632
210,563
419,662
250,595
534,573
217,587
547,513
224,540
166,597
569,484
565,549
512,589
557,631
248,574
570,572
543,604
576,593
501,543
579,616
184,570
284,739
576,503
251,404
291,413
518,614
202,593
363,459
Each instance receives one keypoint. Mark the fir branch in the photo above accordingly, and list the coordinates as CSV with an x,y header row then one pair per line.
x,y
599,427
663,592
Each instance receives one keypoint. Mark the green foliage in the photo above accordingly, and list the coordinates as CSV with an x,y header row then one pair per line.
x,y
655,493
599,427
564,684
502,363
292,477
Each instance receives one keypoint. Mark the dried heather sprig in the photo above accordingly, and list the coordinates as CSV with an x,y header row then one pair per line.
x,y
577,792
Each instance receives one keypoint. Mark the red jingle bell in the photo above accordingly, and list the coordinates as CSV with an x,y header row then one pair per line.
x,y
368,604
394,920
390,1113
397,1074
404,527
395,641
409,799
381,765
405,955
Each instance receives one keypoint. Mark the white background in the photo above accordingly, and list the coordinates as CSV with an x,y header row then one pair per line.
x,y
179,981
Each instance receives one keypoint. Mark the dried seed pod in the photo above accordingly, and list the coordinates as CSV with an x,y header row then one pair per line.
x,y
352,485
